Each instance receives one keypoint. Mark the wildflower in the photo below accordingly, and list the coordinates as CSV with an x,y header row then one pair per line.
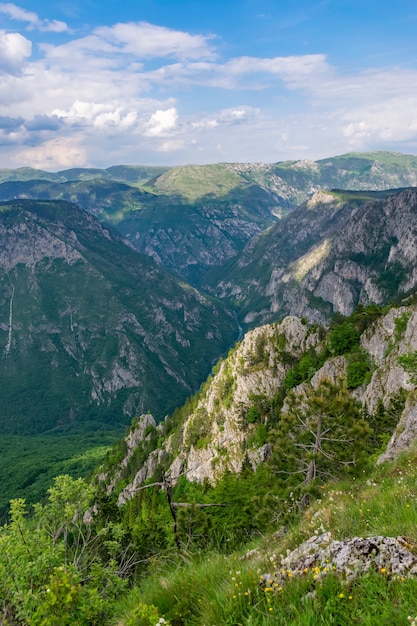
x,y
270,609
341,595
383,570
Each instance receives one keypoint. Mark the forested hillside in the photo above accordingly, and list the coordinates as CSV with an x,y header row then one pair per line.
x,y
275,483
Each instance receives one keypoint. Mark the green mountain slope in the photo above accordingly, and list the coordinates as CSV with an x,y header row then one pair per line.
x,y
90,329
108,200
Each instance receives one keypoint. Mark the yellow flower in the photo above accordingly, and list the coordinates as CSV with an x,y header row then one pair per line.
x,y
270,609
341,595
383,570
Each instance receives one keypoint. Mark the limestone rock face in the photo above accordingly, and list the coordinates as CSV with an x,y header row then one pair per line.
x,y
215,436
213,439
349,558
405,434
335,251
254,368
394,335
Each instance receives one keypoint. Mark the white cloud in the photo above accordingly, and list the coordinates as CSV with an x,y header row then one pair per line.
x,y
161,123
248,72
171,145
14,50
17,13
227,117
59,153
99,114
149,41
121,99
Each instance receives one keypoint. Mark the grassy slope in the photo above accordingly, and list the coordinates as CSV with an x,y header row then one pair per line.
x,y
388,158
193,182
196,590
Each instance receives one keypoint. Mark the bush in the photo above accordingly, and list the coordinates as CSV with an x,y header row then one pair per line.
x,y
343,338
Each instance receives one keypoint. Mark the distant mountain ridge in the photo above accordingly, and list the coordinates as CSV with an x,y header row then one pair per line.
x,y
193,218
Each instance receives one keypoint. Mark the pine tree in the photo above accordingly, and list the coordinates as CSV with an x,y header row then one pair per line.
x,y
320,436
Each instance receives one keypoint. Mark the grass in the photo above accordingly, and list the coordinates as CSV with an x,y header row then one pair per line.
x,y
213,589
194,181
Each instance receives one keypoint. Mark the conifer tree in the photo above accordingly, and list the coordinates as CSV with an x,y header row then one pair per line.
x,y
321,435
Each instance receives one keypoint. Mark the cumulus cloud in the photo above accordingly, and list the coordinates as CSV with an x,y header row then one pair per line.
x,y
127,46
140,91
14,51
98,114
162,123
251,73
227,117
61,152
171,146
32,19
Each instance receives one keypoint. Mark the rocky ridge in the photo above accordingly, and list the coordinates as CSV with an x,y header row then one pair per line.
x,y
217,435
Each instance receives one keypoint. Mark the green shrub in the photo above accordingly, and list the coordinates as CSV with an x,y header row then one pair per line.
x,y
344,338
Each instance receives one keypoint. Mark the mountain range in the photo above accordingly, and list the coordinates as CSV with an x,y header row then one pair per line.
x,y
252,330
104,320
193,218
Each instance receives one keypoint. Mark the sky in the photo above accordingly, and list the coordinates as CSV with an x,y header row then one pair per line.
x,y
95,83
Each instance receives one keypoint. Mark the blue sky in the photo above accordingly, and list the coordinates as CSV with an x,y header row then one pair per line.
x,y
88,83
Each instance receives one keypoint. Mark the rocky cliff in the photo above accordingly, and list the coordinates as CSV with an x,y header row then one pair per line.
x,y
227,423
336,251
